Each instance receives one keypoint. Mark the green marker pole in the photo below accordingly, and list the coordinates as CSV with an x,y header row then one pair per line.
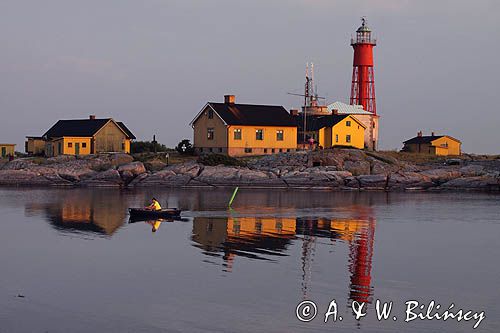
x,y
233,196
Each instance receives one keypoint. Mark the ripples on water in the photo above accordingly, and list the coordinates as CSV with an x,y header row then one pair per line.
x,y
308,244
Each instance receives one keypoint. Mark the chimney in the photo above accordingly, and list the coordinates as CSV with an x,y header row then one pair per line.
x,y
335,111
92,117
294,112
419,133
229,99
432,134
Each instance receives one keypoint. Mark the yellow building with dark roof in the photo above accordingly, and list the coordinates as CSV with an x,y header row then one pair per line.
x,y
243,129
83,137
441,145
333,130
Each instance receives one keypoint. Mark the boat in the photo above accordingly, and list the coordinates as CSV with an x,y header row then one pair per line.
x,y
148,219
141,213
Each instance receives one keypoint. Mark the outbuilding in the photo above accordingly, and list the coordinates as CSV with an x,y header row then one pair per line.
x,y
442,145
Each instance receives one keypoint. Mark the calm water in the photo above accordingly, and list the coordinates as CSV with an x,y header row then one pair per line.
x,y
71,262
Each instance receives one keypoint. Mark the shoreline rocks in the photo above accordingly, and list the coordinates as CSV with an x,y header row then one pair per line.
x,y
338,169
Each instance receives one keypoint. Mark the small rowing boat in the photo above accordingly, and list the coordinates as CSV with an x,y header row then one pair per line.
x,y
136,213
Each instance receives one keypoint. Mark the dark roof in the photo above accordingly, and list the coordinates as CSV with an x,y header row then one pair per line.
x,y
423,139
315,123
257,115
126,130
81,127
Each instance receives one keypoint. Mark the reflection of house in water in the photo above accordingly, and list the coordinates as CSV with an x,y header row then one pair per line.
x,y
84,212
248,237
262,238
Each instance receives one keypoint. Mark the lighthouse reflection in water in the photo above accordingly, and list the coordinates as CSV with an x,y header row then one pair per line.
x,y
266,238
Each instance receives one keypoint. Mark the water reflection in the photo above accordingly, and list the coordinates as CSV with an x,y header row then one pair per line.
x,y
265,238
250,237
154,224
268,238
89,212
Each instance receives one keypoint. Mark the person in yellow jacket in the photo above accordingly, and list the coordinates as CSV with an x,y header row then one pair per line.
x,y
155,205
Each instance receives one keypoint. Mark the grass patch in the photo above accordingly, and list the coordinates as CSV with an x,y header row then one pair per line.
x,y
413,157
217,159
39,160
173,157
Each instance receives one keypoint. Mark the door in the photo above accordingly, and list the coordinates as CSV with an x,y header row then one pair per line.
x,y
4,151
77,148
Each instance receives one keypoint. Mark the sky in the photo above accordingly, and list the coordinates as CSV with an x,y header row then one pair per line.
x,y
154,64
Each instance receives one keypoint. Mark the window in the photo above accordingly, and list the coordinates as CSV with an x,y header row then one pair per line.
x,y
259,134
210,133
248,150
288,150
237,133
210,150
70,144
272,150
220,150
348,138
265,150
210,114
336,138
281,150
258,226
123,146
84,144
373,124
279,135
201,150
348,123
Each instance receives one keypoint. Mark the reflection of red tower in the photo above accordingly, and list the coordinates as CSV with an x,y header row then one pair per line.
x,y
363,83
361,253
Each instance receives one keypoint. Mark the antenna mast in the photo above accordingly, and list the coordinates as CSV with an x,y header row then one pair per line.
x,y
306,100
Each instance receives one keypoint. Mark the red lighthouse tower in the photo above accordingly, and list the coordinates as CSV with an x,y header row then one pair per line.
x,y
363,83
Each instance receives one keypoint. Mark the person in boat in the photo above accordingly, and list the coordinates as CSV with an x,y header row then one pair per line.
x,y
155,205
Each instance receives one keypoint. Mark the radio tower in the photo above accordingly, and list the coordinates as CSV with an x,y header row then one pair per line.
x,y
363,83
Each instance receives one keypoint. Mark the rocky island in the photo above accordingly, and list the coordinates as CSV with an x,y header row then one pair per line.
x,y
331,169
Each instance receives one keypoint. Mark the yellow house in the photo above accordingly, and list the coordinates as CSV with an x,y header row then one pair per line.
x,y
441,145
334,130
243,129
86,136
370,120
7,149
34,145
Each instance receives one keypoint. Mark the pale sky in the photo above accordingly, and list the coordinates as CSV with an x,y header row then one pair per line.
x,y
153,64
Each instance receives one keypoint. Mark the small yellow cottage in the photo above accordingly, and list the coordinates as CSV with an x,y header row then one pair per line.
x,y
86,136
7,149
442,145
243,129
34,145
334,130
